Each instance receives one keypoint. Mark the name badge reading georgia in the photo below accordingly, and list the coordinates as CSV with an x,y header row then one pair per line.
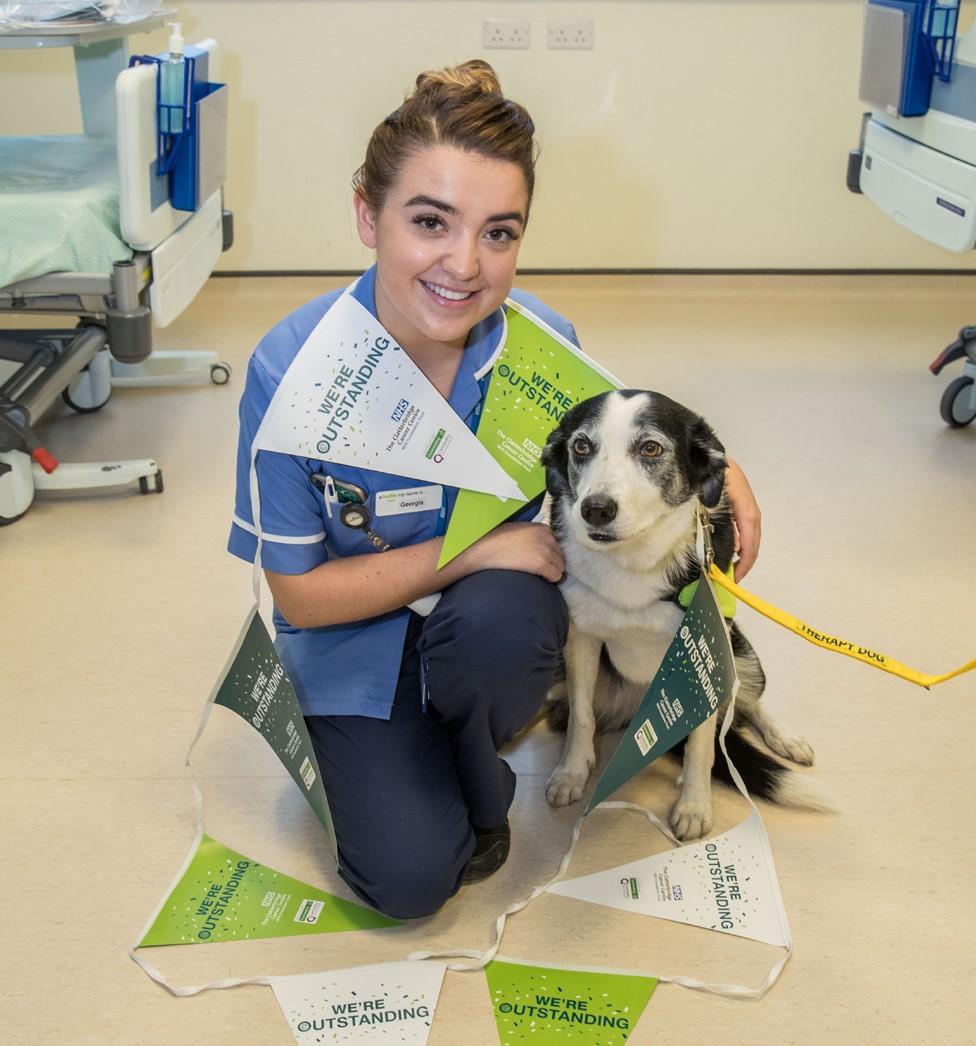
x,y
415,499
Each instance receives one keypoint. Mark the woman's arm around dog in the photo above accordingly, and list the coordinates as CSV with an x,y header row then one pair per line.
x,y
747,518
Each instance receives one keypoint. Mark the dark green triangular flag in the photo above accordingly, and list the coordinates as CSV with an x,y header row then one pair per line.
x,y
697,674
256,687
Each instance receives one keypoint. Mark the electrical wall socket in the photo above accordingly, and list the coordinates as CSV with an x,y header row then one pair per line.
x,y
570,34
509,34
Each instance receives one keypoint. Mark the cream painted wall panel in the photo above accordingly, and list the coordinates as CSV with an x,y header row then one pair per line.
x,y
697,134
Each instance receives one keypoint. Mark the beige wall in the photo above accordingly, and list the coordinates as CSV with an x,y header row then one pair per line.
x,y
697,133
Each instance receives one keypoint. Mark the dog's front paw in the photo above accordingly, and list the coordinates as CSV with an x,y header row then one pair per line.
x,y
784,743
691,818
566,785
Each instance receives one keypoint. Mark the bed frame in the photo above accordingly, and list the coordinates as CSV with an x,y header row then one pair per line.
x,y
174,252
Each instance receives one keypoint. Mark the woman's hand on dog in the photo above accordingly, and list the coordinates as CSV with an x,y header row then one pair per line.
x,y
746,516
529,547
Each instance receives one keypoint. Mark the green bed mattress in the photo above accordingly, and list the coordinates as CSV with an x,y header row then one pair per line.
x,y
59,207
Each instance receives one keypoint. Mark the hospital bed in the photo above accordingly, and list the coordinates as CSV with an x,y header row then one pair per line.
x,y
917,155
89,229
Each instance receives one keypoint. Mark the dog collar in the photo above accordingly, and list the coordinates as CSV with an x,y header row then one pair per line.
x,y
726,601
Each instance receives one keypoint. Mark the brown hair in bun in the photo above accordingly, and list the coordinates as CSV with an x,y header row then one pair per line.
x,y
462,106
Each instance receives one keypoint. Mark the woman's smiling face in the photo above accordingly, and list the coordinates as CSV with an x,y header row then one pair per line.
x,y
446,238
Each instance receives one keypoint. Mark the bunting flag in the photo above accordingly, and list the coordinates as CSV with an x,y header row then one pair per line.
x,y
387,1003
221,895
697,675
558,1005
726,883
352,396
538,376
256,687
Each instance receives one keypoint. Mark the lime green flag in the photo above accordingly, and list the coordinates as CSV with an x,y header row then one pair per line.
x,y
537,378
224,896
545,1005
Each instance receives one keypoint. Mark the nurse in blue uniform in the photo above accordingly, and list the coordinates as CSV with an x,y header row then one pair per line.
x,y
407,712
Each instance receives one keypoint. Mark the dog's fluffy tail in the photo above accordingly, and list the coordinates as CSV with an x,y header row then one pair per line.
x,y
766,778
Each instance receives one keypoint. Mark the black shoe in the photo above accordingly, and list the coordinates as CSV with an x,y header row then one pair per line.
x,y
490,853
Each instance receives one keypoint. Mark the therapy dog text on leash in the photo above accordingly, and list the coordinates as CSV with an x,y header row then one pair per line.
x,y
626,471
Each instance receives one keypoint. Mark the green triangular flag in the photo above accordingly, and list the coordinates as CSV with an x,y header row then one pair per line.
x,y
224,896
543,1004
537,377
696,676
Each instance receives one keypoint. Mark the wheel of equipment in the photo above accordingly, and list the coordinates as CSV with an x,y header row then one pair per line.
x,y
16,486
220,373
156,488
78,409
957,404
90,390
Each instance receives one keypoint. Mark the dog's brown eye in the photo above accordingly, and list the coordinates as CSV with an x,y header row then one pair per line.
x,y
581,447
650,449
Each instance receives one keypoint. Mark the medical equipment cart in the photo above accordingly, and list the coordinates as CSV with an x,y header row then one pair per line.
x,y
917,155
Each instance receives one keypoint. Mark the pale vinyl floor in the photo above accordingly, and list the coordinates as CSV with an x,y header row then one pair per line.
x,y
118,612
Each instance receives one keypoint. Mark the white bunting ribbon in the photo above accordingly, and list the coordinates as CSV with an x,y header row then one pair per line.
x,y
148,967
319,382
482,958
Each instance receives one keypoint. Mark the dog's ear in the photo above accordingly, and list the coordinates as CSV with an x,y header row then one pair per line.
x,y
706,461
556,460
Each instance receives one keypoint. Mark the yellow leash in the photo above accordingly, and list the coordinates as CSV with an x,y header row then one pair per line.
x,y
828,642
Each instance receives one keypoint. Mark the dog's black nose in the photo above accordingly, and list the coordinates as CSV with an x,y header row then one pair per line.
x,y
598,511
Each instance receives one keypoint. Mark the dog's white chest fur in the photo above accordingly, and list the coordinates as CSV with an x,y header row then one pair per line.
x,y
623,608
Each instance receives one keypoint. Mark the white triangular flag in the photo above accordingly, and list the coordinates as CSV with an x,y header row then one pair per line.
x,y
392,1001
727,883
352,396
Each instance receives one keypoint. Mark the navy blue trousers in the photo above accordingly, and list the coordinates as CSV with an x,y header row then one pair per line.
x,y
406,792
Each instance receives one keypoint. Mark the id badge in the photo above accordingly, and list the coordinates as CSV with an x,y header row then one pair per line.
x,y
410,499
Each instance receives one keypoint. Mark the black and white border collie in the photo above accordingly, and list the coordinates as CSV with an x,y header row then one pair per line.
x,y
626,471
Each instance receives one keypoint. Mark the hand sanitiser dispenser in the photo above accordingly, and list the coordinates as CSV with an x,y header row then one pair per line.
x,y
191,139
172,84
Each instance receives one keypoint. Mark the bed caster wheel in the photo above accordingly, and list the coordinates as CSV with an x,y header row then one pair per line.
x,y
92,388
958,406
157,487
81,408
220,373
16,486
5,521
